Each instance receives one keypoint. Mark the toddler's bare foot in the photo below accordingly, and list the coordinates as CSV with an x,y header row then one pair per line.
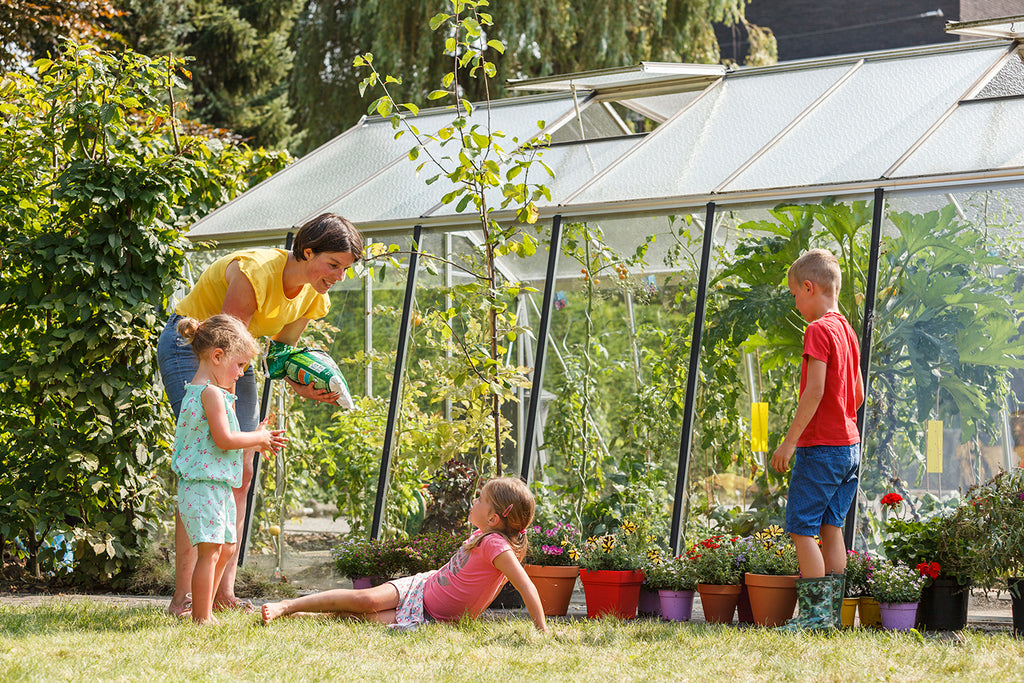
x,y
210,621
182,609
272,610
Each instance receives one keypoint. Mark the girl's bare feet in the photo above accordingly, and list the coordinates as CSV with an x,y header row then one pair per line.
x,y
205,622
272,610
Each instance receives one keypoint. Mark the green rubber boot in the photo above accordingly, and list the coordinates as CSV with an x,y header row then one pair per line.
x,y
815,599
839,591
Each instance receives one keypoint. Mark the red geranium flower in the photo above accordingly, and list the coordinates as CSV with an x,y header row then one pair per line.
x,y
929,569
892,500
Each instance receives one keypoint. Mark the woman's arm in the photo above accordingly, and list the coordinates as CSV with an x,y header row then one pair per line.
x,y
240,297
508,565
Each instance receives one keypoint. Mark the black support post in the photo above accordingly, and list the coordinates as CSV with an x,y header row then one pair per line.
x,y
537,386
250,495
692,376
396,385
870,295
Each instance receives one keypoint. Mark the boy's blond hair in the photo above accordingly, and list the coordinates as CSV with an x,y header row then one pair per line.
x,y
819,266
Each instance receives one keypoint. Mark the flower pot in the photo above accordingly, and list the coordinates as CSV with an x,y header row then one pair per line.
x,y
1016,585
772,598
898,616
359,582
650,603
612,592
943,606
848,613
554,585
507,598
676,605
718,602
867,609
744,615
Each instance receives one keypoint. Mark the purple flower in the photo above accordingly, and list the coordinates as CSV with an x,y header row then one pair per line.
x,y
1020,495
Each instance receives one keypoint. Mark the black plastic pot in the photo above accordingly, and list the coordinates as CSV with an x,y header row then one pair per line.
x,y
507,598
1016,585
943,606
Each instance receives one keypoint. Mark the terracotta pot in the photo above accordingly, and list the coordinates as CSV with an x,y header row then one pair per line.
x,y
612,592
676,605
772,598
867,610
943,606
650,603
718,602
898,616
554,585
848,614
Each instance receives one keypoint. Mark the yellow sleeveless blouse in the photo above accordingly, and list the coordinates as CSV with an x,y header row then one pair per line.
x,y
265,270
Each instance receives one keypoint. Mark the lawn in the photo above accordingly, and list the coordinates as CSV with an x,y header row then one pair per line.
x,y
95,641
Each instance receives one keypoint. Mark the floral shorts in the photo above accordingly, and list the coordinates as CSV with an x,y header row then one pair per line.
x,y
207,510
410,613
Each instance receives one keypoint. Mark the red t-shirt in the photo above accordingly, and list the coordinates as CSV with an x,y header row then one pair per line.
x,y
832,340
468,583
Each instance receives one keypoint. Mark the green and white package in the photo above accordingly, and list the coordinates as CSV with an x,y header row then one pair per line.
x,y
308,366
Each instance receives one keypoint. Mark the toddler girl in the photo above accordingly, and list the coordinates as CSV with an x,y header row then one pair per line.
x,y
208,448
467,584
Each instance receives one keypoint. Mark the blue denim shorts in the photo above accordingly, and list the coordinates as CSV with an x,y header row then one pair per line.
x,y
821,487
178,365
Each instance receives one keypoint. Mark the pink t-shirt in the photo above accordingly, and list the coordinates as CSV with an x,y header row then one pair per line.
x,y
831,340
468,583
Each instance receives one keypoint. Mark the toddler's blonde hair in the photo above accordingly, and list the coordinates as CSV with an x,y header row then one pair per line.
x,y
219,331
821,267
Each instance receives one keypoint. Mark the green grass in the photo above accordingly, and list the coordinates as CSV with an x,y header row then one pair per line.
x,y
94,641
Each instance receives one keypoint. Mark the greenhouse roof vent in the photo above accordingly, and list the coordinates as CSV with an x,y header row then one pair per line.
x,y
644,75
1003,27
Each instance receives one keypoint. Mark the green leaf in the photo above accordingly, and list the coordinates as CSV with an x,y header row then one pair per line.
x,y
496,45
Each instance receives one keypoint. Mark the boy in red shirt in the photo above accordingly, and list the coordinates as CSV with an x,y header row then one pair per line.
x,y
825,439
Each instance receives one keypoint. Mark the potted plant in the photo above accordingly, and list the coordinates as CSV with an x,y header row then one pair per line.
x,y
675,579
856,594
941,546
772,571
610,569
992,519
718,570
368,562
551,563
897,588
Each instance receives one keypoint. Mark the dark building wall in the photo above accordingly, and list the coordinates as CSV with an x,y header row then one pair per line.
x,y
815,28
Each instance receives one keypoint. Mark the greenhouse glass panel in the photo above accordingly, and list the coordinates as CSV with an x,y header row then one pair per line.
x,y
947,361
330,171
868,123
981,135
660,108
614,386
572,164
694,152
752,349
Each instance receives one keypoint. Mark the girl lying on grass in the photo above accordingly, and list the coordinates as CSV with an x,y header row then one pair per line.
x,y
466,585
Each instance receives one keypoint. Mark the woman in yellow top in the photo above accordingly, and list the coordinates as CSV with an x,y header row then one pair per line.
x,y
275,293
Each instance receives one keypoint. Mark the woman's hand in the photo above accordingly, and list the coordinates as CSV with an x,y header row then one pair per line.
x,y
311,392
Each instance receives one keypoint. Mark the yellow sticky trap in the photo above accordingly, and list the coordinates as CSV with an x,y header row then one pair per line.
x,y
934,449
759,427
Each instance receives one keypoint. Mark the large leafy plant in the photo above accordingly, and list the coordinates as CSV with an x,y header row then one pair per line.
x,y
98,177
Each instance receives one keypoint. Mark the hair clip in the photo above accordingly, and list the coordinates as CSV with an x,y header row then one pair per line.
x,y
507,510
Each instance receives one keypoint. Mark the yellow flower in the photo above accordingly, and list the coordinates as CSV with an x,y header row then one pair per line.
x,y
607,543
628,527
573,553
774,530
654,555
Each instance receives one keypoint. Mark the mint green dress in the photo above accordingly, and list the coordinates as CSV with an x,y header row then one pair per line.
x,y
206,473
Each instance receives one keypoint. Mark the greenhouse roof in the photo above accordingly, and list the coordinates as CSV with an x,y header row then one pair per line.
x,y
931,117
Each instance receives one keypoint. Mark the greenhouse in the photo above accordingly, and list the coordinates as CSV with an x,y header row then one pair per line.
x,y
649,346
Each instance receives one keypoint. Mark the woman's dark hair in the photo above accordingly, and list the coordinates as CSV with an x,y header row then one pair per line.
x,y
328,232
